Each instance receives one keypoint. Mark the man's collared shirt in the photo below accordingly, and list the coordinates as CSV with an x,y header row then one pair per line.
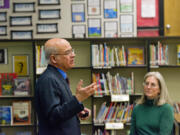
x,y
62,73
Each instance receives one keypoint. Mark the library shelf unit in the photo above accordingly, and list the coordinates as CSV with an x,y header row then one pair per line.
x,y
84,70
15,48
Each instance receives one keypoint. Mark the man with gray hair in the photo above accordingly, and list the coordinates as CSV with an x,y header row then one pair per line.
x,y
58,110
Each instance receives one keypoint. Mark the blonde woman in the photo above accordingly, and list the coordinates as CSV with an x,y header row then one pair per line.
x,y
153,114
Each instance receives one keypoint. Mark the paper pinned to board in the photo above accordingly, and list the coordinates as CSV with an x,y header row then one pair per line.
x,y
148,8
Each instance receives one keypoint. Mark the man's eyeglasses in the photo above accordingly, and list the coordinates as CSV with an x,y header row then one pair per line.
x,y
152,85
68,52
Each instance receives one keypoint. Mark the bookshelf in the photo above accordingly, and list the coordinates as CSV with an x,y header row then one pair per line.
x,y
121,100
83,70
15,48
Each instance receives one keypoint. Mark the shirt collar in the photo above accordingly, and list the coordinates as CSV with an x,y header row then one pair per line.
x,y
62,73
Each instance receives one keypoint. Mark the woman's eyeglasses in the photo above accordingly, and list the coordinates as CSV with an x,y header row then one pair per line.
x,y
152,85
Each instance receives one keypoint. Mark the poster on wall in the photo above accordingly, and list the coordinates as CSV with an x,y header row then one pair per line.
x,y
4,4
21,65
148,8
94,27
78,12
110,9
148,17
94,7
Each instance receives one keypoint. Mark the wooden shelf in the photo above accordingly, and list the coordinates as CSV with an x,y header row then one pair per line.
x,y
16,97
25,125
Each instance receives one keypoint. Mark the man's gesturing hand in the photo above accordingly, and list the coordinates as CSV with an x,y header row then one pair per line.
x,y
83,93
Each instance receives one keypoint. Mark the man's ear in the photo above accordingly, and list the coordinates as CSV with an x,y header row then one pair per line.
x,y
53,59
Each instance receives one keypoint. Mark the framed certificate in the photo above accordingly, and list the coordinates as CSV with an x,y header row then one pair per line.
x,y
78,31
111,29
126,23
94,7
47,28
94,27
78,12
20,20
3,30
3,16
48,2
49,14
21,65
126,6
21,34
3,56
110,9
24,7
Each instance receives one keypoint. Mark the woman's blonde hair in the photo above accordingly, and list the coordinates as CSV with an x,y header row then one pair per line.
x,y
163,96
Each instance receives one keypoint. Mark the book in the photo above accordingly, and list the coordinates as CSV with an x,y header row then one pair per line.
x,y
21,112
22,86
7,83
5,115
177,107
95,55
135,56
115,113
94,80
109,110
94,113
178,54
101,112
21,65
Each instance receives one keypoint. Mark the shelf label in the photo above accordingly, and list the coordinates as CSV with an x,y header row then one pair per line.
x,y
111,126
119,98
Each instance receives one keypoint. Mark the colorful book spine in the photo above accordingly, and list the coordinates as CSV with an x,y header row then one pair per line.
x,y
178,54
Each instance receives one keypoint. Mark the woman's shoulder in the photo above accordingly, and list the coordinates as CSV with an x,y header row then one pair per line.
x,y
138,106
166,107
